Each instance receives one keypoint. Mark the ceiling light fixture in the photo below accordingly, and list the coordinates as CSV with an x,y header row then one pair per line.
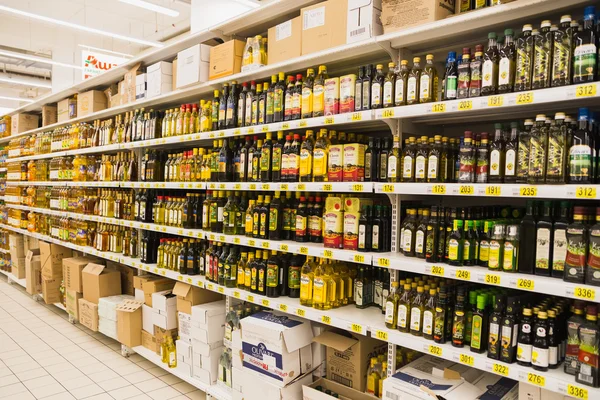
x,y
248,3
80,27
37,59
16,99
25,82
152,7
85,46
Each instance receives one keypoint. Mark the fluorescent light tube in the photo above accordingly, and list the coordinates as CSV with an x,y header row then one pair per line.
x,y
80,27
152,7
85,46
16,99
37,59
26,83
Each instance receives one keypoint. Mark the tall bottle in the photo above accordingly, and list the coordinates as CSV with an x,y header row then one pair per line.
x,y
491,58
585,42
497,156
464,74
389,85
538,151
318,108
413,81
542,61
377,87
524,60
562,55
589,335
528,234
476,67
401,84
511,159
577,247
506,68
451,78
428,84
581,151
557,150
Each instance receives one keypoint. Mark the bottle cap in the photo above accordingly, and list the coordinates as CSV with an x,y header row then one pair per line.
x,y
492,35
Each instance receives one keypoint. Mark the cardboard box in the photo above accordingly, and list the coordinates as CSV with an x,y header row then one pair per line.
x,y
99,281
24,122
268,337
324,25
139,294
149,342
205,314
364,20
138,281
185,326
62,110
140,87
51,258
72,268
88,314
122,94
18,268
155,285
269,391
127,276
164,305
107,307
348,356
160,79
174,81
33,272
188,296
72,300
184,352
129,323
51,290
226,59
400,14
147,319
212,332
90,102
49,115
31,243
285,41
193,65
310,393
237,379
128,92
16,244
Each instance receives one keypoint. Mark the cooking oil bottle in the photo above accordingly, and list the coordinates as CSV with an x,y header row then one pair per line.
x,y
373,378
320,286
306,282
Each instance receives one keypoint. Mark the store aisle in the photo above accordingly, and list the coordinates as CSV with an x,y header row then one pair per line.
x,y
43,356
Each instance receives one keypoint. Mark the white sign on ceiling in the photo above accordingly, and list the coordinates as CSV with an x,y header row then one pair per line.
x,y
95,63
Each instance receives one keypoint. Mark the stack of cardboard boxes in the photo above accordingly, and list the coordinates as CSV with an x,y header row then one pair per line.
x,y
33,271
51,257
107,314
144,287
98,281
17,255
207,330
73,282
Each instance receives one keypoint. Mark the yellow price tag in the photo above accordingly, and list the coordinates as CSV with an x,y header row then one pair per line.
x,y
266,302
437,270
283,307
525,98
463,274
329,120
222,133
222,238
252,243
210,286
493,191
237,186
237,131
200,284
435,350
283,247
576,391
190,281
356,116
528,191
465,105
285,125
536,379
585,192
388,188
304,250
236,240
301,312
266,245
328,187
221,290
357,328
163,273
438,108
327,253
266,186
253,186
284,186
212,186
212,237
326,319
265,128
381,335
466,190
301,186
492,279
389,113
438,189
500,369
302,123
585,90
525,284
236,294
495,101
467,359
179,278
250,131
584,293
383,262
250,298
357,187
222,186
359,258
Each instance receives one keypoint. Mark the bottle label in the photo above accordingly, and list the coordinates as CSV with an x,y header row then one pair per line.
x,y
510,167
432,165
541,61
411,91
580,161
542,253
402,316
494,255
453,250
294,277
584,62
509,249
420,169
272,275
289,104
319,290
539,357
285,164
375,238
415,319
306,287
389,312
494,333
399,95
319,162
318,98
507,338
306,163
273,219
277,100
376,94
301,225
407,244
424,90
265,159
559,253
276,162
504,71
407,171
294,164
419,241
378,298
392,167
362,234
388,98
495,163
366,95
358,96
315,225
451,86
476,329
427,323
307,101
552,355
358,293
488,72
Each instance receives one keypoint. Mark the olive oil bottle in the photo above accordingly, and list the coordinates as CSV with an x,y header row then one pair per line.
x,y
417,307
464,74
585,50
377,87
557,146
391,307
428,84
491,58
542,62
510,329
479,331
456,244
476,67
389,85
318,107
441,316
494,338
524,60
538,150
506,68
401,84
307,94
562,56
450,90
429,314
404,307
413,82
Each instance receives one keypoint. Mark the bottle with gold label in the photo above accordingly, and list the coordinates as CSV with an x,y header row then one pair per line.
x,y
307,94
389,85
391,307
306,282
393,162
306,157
417,307
318,106
404,310
400,84
320,157
428,83
270,101
373,378
542,61
377,87
413,81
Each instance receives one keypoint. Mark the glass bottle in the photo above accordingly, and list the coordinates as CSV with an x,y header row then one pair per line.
x,y
585,42
581,151
542,62
428,84
404,307
524,60
464,74
557,146
451,77
577,247
506,68
389,85
401,84
413,81
562,55
497,156
319,92
391,307
491,58
377,87
480,326
538,150
540,349
476,66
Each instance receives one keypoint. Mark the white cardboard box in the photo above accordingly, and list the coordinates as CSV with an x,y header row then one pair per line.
x,y
237,379
139,295
148,319
364,20
160,79
185,327
276,348
193,65
205,313
211,362
165,309
210,333
255,389
237,358
203,375
184,350
107,306
204,349
140,87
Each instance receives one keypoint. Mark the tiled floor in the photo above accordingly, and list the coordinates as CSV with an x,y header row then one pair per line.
x,y
43,356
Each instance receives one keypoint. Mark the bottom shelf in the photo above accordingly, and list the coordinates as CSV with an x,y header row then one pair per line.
x,y
12,278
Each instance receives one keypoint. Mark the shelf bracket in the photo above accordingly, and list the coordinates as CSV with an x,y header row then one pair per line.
x,y
392,52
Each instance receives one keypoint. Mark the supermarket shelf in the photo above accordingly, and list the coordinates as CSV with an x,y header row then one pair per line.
x,y
5,251
475,274
59,305
554,380
493,190
333,187
12,278
14,155
163,185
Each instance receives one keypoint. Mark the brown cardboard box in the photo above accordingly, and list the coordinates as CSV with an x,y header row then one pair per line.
x,y
99,281
62,110
129,85
16,244
51,258
174,73
18,268
51,290
127,275
154,286
138,281
49,115
33,272
72,271
31,243
348,355
72,300
285,41
122,96
149,342
88,314
111,95
401,14
161,335
310,393
188,296
226,59
129,323
24,122
324,25
90,102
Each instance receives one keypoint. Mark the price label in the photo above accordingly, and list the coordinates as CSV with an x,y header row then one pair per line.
x,y
435,350
285,125
200,284
222,186
357,187
283,307
467,359
585,90
536,379
388,188
381,335
525,284
438,189
356,328
179,278
303,123
493,191
250,131
222,133
237,131
466,190
189,280
221,238
283,247
528,191
252,243
237,186
383,262
327,253
301,186
250,298
356,117
266,245
210,286
576,391
253,186
266,186
284,186
437,270
163,273
236,294
212,237
438,108
584,293
236,240
500,369
265,128
304,250
525,98
492,279
463,274
212,186
585,192
495,101
326,319
359,258
328,187
301,312
221,290
465,105
266,302
329,120
389,113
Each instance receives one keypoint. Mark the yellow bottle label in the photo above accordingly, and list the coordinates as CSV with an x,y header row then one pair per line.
x,y
305,287
305,163
372,384
453,250
319,162
494,255
318,98
307,101
319,294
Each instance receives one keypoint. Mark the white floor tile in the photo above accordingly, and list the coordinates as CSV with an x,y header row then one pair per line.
x,y
164,393
60,396
184,387
150,385
196,395
102,396
128,369
48,390
157,371
24,367
138,377
170,379
76,383
31,374
126,392
9,380
86,391
19,396
39,382
103,376
12,389
112,384
141,397
14,361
